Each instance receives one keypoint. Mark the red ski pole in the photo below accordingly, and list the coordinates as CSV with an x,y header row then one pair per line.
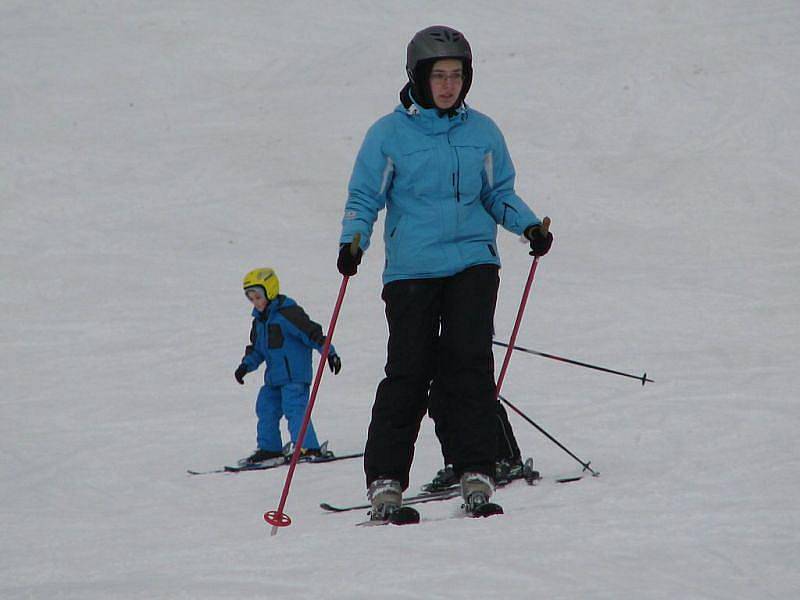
x,y
277,518
525,293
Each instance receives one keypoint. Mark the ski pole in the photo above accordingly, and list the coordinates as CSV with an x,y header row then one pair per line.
x,y
528,284
585,465
277,518
644,379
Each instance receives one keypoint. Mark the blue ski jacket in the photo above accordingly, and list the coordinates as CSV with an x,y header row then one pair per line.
x,y
446,182
283,336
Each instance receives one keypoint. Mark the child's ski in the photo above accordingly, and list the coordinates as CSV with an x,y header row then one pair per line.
x,y
262,466
278,462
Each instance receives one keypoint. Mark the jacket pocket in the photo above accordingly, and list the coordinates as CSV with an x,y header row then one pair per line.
x,y
393,236
288,368
471,171
274,337
417,169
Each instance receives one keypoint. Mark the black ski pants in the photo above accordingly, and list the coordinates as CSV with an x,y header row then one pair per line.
x,y
440,337
506,447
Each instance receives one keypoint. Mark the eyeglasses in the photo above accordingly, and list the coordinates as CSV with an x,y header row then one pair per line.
x,y
440,78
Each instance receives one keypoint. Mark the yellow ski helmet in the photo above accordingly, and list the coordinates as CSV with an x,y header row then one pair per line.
x,y
264,278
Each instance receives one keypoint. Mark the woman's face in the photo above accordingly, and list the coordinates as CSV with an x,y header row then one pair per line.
x,y
446,80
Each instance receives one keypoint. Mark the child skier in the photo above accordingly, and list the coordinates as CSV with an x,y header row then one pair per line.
x,y
282,335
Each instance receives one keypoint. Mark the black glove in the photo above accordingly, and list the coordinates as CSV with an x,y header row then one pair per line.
x,y
240,373
540,239
347,263
335,363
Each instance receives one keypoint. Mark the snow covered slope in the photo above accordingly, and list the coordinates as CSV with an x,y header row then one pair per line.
x,y
153,152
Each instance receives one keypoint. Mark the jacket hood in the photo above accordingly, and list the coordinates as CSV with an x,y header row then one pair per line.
x,y
408,98
422,88
432,120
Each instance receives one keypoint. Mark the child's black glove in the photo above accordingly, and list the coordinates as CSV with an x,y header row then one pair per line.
x,y
240,373
335,363
347,263
540,238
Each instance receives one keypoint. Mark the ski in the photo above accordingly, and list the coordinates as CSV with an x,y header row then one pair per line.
x,y
535,478
486,509
209,472
262,466
279,462
275,462
530,475
405,515
417,499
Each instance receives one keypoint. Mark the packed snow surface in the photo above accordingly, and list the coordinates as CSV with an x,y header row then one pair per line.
x,y
151,153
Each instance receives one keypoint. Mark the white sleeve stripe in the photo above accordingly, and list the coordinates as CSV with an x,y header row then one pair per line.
x,y
387,172
488,166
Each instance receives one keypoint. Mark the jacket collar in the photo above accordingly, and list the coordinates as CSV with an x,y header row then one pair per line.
x,y
432,120
272,306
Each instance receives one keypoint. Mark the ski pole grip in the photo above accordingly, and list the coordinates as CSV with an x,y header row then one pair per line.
x,y
356,241
545,226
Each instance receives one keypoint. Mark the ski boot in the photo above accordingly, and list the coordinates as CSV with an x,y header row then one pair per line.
x,y
320,454
386,496
476,489
530,474
444,480
261,457
507,470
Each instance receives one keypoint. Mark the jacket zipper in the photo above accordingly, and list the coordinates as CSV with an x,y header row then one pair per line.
x,y
457,175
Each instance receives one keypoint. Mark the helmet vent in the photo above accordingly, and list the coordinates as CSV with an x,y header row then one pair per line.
x,y
443,35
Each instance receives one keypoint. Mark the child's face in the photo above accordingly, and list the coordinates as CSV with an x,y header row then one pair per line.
x,y
258,299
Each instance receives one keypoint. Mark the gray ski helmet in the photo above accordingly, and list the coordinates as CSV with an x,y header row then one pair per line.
x,y
438,41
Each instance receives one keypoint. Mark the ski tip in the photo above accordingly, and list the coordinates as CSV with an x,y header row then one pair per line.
x,y
488,509
569,479
192,472
405,515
